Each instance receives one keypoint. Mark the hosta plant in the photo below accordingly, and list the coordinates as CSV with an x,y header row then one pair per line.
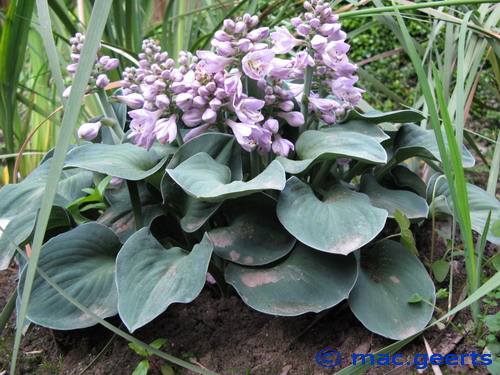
x,y
245,165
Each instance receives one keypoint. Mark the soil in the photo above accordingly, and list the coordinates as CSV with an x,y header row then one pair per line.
x,y
223,334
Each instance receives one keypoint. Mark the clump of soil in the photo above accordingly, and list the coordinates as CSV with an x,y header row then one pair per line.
x,y
225,335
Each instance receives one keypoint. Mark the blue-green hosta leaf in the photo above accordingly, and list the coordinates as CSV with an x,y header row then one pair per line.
x,y
362,127
344,222
223,148
124,160
254,235
387,280
377,117
19,205
150,277
193,212
203,178
305,281
480,204
411,140
406,179
82,262
355,139
410,204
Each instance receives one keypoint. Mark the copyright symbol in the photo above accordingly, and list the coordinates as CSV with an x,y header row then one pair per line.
x,y
328,358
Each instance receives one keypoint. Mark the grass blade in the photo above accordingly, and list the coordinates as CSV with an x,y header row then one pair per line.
x,y
96,27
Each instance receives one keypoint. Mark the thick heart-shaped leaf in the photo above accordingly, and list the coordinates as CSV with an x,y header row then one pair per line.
x,y
355,139
223,148
193,212
306,281
404,178
480,204
150,277
82,262
362,127
19,204
254,236
344,222
203,178
337,143
410,204
389,277
411,140
123,160
377,117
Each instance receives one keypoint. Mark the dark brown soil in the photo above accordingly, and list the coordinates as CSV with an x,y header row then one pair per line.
x,y
225,335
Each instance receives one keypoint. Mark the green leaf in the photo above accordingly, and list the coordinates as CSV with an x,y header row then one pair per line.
x,y
480,204
411,140
20,203
387,280
254,235
138,349
402,220
82,262
440,269
150,278
406,179
377,117
296,285
123,160
221,147
142,368
193,212
415,298
158,343
203,178
344,222
408,241
370,129
493,322
410,204
495,228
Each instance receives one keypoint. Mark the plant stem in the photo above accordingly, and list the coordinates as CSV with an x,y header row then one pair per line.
x,y
354,171
325,168
109,112
136,204
305,96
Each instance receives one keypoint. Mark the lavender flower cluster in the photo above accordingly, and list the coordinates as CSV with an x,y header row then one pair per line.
x,y
212,88
98,77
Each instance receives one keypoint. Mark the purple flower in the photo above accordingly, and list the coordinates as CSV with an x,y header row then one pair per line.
x,y
142,126
213,63
281,68
282,146
116,181
242,132
209,116
162,101
166,129
111,64
192,118
286,106
224,48
134,100
319,43
184,101
71,68
283,41
66,92
89,130
248,110
272,125
333,53
257,64
196,132
323,105
303,29
234,86
258,34
244,45
303,59
292,118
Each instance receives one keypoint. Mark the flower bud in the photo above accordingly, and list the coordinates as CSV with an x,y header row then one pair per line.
x,y
102,80
162,101
222,36
272,125
286,106
199,102
258,34
296,21
244,44
116,181
71,68
292,118
229,25
303,29
209,116
240,27
89,130
315,22
111,64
